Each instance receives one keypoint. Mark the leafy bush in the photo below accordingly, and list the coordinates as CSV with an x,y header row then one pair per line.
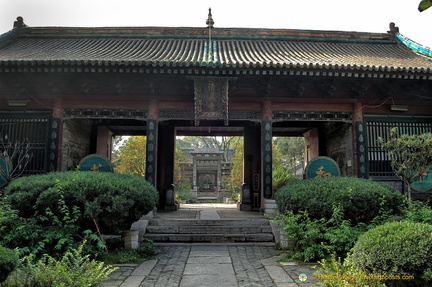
x,y
397,249
74,270
8,262
335,272
360,200
115,200
183,195
315,239
418,211
281,177
53,213
120,255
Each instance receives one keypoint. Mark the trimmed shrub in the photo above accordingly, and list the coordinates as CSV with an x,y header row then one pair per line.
x,y
360,200
114,200
8,262
396,250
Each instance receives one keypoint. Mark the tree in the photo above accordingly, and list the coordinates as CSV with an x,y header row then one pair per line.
x,y
410,156
424,4
132,156
236,175
292,149
222,143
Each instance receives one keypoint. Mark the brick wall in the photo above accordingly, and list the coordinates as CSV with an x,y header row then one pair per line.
x,y
340,146
76,142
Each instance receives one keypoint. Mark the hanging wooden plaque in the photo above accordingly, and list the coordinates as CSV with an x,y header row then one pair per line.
x,y
211,99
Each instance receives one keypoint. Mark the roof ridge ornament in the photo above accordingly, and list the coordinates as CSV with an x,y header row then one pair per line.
x,y
19,23
393,29
210,21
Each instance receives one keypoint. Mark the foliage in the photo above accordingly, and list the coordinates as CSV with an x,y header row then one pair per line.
x,y
236,197
418,211
180,179
48,232
315,239
73,270
236,176
338,272
222,143
132,156
56,211
8,262
411,156
424,4
292,149
281,177
397,249
120,255
360,200
184,195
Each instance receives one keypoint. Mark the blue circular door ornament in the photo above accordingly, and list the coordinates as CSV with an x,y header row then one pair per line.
x,y
5,170
322,166
425,184
96,162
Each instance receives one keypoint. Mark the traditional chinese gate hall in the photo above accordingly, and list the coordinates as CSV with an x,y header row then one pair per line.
x,y
69,90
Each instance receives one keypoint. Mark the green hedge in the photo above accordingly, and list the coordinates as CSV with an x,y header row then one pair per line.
x,y
8,262
115,200
360,200
394,250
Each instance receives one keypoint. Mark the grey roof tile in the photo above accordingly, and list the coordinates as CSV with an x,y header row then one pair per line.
x,y
314,51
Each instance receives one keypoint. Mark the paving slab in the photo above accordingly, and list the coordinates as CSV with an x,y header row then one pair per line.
x,y
218,264
209,280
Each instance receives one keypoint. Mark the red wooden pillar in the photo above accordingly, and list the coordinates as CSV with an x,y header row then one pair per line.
x,y
104,142
312,144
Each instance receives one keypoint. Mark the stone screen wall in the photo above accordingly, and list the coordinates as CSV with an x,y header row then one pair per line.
x,y
76,142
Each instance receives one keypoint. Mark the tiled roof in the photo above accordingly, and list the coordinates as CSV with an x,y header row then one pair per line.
x,y
228,49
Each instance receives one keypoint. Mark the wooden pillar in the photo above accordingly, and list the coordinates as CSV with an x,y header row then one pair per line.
x,y
165,165
266,150
251,168
104,142
312,144
359,141
55,137
152,136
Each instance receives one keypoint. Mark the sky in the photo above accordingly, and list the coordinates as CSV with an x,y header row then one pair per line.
x,y
340,15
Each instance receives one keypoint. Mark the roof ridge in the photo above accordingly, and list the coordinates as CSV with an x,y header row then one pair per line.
x,y
199,32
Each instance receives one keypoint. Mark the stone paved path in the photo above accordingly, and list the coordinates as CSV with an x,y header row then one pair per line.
x,y
219,265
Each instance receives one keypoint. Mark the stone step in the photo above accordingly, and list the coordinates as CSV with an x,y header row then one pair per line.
x,y
207,229
207,222
213,238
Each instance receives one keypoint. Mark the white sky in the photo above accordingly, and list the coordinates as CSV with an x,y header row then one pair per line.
x,y
344,15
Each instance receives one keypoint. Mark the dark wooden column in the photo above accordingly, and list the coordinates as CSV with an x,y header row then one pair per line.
x,y
152,136
359,141
55,137
251,195
165,166
266,150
